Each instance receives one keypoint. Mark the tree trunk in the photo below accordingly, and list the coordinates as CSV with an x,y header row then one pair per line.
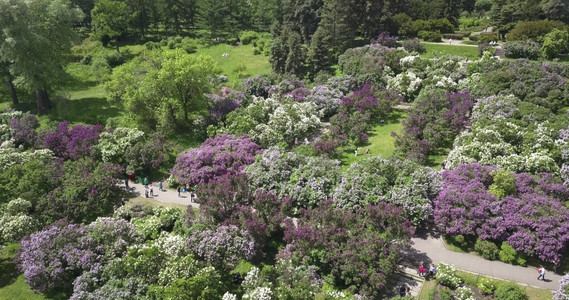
x,y
12,90
44,104
117,44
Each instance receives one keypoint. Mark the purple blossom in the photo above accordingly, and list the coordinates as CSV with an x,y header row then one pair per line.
x,y
75,143
224,154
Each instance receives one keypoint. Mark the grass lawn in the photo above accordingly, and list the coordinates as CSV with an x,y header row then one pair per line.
x,y
150,202
465,51
380,141
12,284
471,279
240,59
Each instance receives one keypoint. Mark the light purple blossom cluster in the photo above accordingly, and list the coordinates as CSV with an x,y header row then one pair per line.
x,y
224,154
224,102
22,130
222,247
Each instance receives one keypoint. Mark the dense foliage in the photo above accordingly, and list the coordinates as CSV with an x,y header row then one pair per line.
x,y
224,154
527,212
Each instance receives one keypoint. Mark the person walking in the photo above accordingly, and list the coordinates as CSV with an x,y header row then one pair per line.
x,y
432,270
421,270
541,272
179,189
160,186
151,191
126,184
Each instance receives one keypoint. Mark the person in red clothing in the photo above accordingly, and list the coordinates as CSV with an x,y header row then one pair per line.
x,y
131,177
421,270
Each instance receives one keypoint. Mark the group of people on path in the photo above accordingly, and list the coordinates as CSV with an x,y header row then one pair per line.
x,y
422,270
186,188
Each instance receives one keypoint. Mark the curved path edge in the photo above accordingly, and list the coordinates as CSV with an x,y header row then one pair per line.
x,y
433,249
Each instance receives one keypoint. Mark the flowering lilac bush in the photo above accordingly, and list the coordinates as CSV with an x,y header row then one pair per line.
x,y
327,99
385,39
149,154
263,218
221,197
495,107
52,258
22,130
298,94
366,63
224,102
113,144
286,85
222,247
113,235
16,221
563,292
307,180
85,191
363,108
502,143
434,122
258,86
355,247
72,144
224,154
376,180
272,121
539,83
532,220
345,83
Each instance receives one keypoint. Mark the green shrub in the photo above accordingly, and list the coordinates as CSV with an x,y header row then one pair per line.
x,y
178,39
459,241
464,33
486,286
152,45
486,249
430,36
445,293
533,30
473,38
555,43
453,36
164,42
510,291
414,45
510,256
231,41
249,36
522,49
171,44
487,37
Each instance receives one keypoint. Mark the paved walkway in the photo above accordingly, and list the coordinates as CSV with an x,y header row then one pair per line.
x,y
430,249
166,196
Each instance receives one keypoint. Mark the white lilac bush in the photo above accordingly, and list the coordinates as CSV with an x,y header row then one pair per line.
x,y
307,180
446,275
113,145
12,156
403,183
16,221
464,293
408,84
507,145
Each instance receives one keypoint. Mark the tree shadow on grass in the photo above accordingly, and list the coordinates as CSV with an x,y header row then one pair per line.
x,y
8,270
85,110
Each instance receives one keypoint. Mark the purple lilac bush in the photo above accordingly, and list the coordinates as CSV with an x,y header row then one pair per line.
x,y
52,258
356,248
224,102
224,154
436,120
75,143
222,247
533,220
22,130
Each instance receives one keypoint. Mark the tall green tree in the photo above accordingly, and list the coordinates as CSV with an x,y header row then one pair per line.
x,y
556,10
37,36
163,90
111,20
177,14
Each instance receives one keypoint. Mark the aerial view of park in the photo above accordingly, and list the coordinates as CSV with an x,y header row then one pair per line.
x,y
284,149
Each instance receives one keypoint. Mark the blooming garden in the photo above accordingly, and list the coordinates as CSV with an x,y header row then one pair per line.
x,y
280,216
